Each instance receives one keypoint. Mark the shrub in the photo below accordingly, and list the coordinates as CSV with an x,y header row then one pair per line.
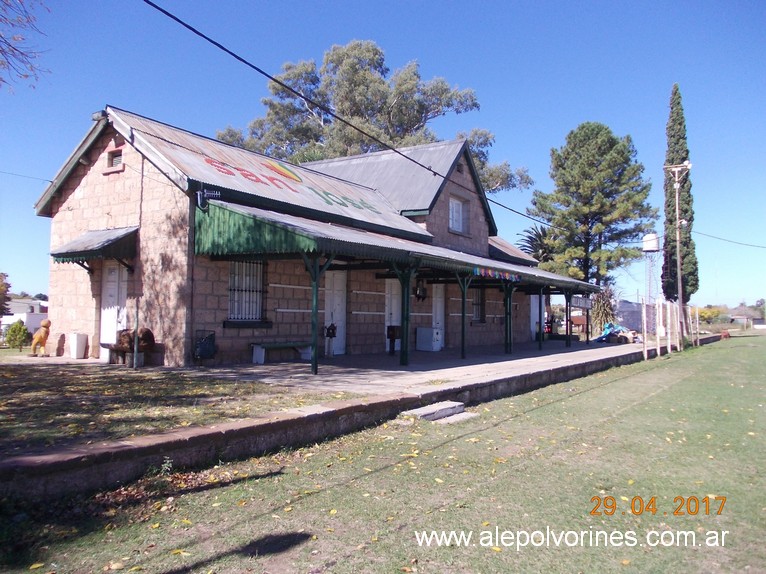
x,y
18,335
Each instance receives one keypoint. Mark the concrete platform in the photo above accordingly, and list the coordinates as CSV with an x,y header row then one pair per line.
x,y
387,389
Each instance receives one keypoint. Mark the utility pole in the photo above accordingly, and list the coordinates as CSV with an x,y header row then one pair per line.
x,y
679,171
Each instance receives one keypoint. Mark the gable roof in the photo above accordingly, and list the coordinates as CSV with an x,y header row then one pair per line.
x,y
411,188
199,164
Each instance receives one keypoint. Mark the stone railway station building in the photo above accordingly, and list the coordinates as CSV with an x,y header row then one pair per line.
x,y
230,256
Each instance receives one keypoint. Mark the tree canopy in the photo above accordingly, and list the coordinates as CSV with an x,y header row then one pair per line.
x,y
5,290
18,59
676,154
534,242
354,83
598,207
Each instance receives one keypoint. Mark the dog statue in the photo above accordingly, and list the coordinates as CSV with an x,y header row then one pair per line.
x,y
41,337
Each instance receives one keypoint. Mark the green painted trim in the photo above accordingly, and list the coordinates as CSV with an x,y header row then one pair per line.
x,y
220,231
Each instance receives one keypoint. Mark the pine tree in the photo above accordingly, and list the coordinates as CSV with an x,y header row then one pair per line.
x,y
598,208
677,153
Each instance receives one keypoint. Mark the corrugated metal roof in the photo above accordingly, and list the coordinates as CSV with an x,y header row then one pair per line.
x,y
117,243
267,182
407,186
499,248
335,239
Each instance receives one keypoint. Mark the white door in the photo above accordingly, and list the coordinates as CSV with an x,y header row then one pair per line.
x,y
438,311
393,307
114,287
335,308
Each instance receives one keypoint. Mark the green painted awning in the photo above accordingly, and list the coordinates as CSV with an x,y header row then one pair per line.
x,y
118,243
229,230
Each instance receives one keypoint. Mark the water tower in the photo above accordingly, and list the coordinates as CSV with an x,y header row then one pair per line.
x,y
651,247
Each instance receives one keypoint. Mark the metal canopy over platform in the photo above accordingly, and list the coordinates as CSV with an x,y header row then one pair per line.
x,y
227,229
231,231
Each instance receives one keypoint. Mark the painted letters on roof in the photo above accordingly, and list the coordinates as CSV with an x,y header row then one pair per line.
x,y
260,180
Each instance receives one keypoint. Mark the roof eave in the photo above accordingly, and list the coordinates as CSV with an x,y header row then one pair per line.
x,y
42,207
142,145
482,192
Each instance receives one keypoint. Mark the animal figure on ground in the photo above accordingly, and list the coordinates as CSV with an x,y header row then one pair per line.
x,y
41,337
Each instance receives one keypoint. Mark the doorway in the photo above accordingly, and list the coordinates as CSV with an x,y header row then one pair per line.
x,y
114,288
393,308
335,308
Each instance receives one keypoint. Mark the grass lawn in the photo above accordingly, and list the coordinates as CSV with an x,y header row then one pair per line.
x,y
681,433
45,405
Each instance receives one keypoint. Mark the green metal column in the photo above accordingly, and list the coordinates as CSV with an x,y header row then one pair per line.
x,y
508,290
405,279
568,317
540,316
315,272
465,283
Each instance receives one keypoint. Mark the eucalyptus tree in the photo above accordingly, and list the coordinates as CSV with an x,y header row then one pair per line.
x,y
353,104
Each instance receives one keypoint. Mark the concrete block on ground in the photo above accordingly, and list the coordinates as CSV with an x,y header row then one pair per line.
x,y
436,410
457,418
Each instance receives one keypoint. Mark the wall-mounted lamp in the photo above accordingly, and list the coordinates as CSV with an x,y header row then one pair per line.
x,y
420,290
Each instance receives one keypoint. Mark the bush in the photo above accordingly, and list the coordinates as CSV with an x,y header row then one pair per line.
x,y
18,335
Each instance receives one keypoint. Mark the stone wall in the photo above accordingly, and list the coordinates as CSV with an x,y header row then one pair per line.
x,y
475,240
97,196
288,312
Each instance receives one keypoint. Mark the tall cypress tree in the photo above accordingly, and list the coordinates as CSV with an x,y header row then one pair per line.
x,y
677,153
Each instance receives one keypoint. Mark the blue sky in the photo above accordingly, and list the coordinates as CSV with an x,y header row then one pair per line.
x,y
539,69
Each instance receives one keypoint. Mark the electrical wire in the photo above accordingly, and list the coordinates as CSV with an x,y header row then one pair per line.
x,y
26,176
730,240
332,114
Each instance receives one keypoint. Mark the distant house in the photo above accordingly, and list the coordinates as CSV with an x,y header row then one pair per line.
x,y
154,226
27,309
744,316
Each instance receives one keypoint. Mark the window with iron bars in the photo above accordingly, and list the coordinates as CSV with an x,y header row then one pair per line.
x,y
479,304
246,290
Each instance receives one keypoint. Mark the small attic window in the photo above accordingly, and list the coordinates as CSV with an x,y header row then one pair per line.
x,y
459,167
114,157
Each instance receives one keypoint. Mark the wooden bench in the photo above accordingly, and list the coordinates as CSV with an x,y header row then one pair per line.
x,y
259,349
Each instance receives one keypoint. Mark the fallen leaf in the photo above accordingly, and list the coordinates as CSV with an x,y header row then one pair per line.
x,y
333,511
179,552
37,565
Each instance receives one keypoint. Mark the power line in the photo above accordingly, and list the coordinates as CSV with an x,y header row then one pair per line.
x,y
290,89
26,176
335,116
329,111
730,240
